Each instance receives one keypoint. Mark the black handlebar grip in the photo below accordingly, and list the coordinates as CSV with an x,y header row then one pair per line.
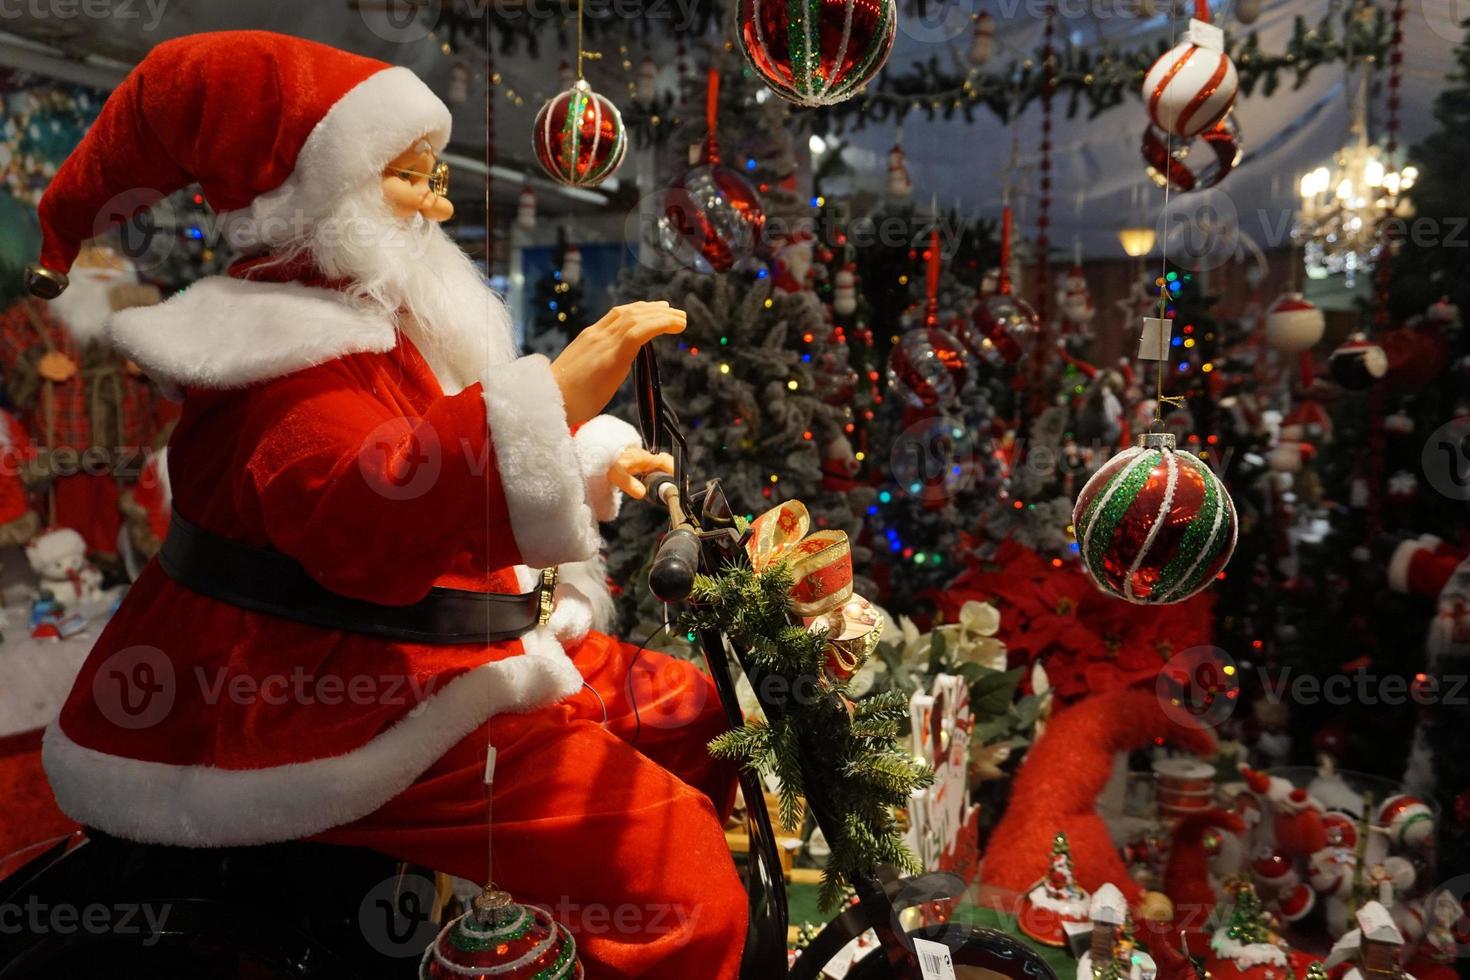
x,y
671,578
656,484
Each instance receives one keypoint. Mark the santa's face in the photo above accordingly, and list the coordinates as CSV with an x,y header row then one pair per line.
x,y
85,305
414,184
383,240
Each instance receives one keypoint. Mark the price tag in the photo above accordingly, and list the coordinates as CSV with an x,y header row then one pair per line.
x,y
1153,343
934,961
1206,36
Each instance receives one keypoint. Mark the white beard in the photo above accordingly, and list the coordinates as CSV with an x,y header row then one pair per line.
x,y
86,304
412,272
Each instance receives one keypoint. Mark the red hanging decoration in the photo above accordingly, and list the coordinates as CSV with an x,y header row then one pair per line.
x,y
712,217
579,137
1003,325
816,52
1216,151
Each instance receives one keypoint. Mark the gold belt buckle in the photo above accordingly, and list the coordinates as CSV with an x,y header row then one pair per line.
x,y
548,595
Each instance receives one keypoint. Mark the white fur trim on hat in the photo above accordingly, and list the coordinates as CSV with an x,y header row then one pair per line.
x,y
544,486
1403,557
374,122
228,333
205,806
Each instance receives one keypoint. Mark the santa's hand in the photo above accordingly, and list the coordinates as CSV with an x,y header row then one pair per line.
x,y
592,367
633,463
56,366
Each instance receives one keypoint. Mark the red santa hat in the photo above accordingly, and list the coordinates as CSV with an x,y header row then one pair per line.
x,y
274,129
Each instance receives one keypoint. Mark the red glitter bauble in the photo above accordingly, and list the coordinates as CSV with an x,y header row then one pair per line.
x,y
712,218
816,52
928,367
579,137
1154,525
508,941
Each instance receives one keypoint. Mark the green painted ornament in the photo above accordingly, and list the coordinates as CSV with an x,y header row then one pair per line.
x,y
501,938
816,52
1154,525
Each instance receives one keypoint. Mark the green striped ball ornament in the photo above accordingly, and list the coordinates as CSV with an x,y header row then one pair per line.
x,y
816,52
579,137
1154,525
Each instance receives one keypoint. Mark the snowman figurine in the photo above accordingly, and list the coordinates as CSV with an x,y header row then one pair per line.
x,y
59,558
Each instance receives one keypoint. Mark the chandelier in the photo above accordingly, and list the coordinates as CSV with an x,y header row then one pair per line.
x,y
1343,206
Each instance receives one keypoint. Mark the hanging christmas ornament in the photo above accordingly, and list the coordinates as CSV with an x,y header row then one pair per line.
x,y
899,184
1358,363
928,366
645,87
526,208
1192,164
844,291
458,90
578,135
712,217
571,265
1003,323
1154,525
1246,11
499,937
1293,324
1192,86
816,52
982,41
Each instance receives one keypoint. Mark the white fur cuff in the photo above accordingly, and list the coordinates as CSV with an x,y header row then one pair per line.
x,y
599,443
543,485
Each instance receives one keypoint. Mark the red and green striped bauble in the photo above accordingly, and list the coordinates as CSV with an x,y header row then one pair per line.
x,y
1154,525
501,938
816,52
579,137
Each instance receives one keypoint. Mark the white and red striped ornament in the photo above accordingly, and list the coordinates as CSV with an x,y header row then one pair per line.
x,y
982,41
1154,524
1192,86
579,137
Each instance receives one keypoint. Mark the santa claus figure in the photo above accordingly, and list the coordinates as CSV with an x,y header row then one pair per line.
x,y
358,594
88,410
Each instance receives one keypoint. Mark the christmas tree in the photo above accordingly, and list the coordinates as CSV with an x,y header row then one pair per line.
x,y
1247,924
557,301
761,379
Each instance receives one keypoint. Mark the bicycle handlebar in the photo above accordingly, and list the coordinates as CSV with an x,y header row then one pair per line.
x,y
671,577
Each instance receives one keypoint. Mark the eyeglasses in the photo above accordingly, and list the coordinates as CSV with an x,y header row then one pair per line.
x,y
438,177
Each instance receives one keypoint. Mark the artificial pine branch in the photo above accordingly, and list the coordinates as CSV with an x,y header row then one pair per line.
x,y
857,744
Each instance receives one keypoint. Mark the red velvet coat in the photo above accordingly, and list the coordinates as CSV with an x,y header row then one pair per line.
x,y
312,428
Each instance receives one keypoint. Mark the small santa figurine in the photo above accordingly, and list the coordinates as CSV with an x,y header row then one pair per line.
x,y
385,528
89,410
899,184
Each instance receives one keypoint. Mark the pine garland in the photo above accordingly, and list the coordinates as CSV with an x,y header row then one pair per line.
x,y
820,730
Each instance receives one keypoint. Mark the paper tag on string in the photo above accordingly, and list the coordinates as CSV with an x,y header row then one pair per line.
x,y
1206,36
1153,344
934,960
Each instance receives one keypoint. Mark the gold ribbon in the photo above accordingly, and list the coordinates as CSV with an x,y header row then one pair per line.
x,y
821,582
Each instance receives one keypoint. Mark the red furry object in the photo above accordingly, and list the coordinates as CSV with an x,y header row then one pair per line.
x,y
1299,834
1057,787
1187,875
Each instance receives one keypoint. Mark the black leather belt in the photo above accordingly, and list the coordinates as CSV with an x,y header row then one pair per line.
x,y
267,581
